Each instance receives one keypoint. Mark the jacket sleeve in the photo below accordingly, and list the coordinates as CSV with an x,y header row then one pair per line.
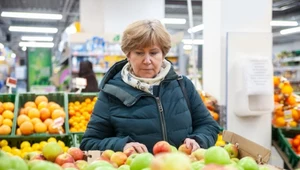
x,y
100,134
205,128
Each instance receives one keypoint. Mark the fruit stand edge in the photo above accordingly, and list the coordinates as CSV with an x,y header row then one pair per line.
x,y
282,155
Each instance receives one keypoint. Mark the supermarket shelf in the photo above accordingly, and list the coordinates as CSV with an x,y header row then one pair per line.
x,y
290,59
287,68
86,54
63,60
282,155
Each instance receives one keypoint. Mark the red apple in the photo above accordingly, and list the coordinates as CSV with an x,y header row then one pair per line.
x,y
161,147
107,154
232,150
107,160
199,154
38,157
81,164
129,151
69,165
183,148
64,158
76,153
118,158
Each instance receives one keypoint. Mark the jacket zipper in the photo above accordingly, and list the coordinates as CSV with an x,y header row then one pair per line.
x,y
162,118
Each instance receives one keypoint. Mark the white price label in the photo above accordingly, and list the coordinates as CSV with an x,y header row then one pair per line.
x,y
58,122
288,116
79,83
11,82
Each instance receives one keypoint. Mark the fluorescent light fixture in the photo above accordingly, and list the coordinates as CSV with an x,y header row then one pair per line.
x,y
31,15
187,47
33,29
71,29
2,58
1,46
196,28
24,48
36,38
290,30
36,44
173,21
284,23
195,41
13,55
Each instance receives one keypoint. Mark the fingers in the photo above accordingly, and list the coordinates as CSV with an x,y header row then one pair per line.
x,y
191,143
138,147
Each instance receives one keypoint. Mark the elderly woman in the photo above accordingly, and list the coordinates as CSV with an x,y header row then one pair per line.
x,y
141,101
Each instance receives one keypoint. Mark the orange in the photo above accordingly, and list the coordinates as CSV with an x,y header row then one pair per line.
x,y
45,114
7,114
40,99
277,98
90,108
26,110
5,130
53,130
53,107
51,103
77,103
58,113
95,99
276,81
1,108
40,127
26,128
291,100
35,120
48,122
8,106
287,89
21,119
296,142
88,100
73,130
293,124
18,132
43,105
280,121
71,112
295,115
30,104
33,113
1,119
22,111
7,122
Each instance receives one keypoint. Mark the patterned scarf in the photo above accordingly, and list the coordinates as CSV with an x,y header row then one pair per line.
x,y
144,84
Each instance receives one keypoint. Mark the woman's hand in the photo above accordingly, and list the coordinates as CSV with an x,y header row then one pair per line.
x,y
138,147
191,143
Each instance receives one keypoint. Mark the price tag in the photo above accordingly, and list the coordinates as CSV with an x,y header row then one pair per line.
x,y
11,83
57,124
79,83
288,115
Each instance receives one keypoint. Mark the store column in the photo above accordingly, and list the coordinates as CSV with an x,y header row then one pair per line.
x,y
101,17
225,22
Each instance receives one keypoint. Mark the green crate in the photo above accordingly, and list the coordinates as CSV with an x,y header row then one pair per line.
x,y
77,138
285,146
14,99
59,98
72,97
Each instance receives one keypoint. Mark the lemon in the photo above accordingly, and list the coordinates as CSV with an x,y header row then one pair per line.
x,y
6,149
42,144
3,143
16,152
25,144
65,149
36,147
52,139
27,149
61,144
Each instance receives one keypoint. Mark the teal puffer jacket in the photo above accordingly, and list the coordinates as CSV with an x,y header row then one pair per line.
x,y
124,114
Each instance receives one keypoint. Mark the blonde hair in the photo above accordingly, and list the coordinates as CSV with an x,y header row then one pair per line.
x,y
145,33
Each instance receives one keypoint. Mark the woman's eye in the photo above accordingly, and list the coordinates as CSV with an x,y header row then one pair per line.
x,y
153,53
139,53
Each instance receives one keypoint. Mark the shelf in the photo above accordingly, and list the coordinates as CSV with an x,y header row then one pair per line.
x,y
63,60
287,68
282,155
86,54
290,59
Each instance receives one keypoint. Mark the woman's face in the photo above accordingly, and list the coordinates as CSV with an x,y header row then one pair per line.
x,y
146,62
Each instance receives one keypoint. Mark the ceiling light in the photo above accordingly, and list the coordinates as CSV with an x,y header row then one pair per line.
x,y
36,44
1,46
13,55
31,15
290,31
24,48
187,47
2,58
33,29
284,23
196,28
173,21
195,41
36,38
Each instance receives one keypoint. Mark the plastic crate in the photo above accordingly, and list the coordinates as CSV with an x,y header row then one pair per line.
x,y
14,99
73,97
77,138
285,146
59,98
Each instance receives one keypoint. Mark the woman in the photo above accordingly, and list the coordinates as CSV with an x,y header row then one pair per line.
x,y
86,71
141,102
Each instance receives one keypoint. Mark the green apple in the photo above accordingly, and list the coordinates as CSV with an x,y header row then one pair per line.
x,y
124,167
171,161
130,159
236,160
232,150
141,161
173,148
248,163
97,164
11,162
197,165
45,165
216,155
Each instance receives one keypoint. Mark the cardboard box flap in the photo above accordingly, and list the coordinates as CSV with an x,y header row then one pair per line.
x,y
247,147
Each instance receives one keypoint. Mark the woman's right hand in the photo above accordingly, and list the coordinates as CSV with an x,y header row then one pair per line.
x,y
138,147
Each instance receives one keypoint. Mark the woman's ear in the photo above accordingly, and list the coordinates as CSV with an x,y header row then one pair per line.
x,y
128,56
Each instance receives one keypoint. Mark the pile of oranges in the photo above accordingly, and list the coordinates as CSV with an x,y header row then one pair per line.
x,y
80,113
38,117
6,117
286,111
295,143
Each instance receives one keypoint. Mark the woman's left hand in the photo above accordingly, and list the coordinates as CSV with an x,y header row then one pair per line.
x,y
191,143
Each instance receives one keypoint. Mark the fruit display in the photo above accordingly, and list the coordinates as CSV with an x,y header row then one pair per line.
x,y
39,116
52,157
80,113
287,111
211,103
6,117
